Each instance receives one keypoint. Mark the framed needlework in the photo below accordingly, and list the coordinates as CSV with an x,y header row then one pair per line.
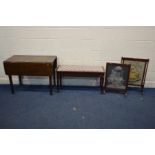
x,y
138,71
117,76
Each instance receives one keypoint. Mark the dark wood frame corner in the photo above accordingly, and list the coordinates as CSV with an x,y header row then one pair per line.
x,y
124,91
146,61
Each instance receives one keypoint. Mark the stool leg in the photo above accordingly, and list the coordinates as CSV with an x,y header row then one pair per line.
x,y
58,77
54,75
101,84
11,84
20,80
50,84
54,78
60,80
54,71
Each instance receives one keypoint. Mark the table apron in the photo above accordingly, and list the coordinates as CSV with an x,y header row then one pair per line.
x,y
32,69
81,74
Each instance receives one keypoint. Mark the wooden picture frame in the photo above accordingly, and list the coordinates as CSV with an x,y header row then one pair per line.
x,y
117,76
138,71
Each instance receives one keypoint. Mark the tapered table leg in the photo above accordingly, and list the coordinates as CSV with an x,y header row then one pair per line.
x,y
50,84
11,84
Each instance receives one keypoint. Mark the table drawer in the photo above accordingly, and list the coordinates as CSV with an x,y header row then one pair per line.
x,y
33,69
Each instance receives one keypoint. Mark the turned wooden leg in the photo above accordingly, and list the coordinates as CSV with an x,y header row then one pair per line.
x,y
11,84
50,84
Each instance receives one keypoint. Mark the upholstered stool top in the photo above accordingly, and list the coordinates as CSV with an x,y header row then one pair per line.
x,y
75,68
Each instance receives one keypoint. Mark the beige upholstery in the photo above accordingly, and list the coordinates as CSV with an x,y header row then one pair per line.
x,y
74,68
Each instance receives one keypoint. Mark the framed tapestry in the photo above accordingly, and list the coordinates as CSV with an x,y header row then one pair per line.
x,y
117,76
138,71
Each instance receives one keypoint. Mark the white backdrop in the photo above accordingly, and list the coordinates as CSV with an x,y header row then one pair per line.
x,y
79,46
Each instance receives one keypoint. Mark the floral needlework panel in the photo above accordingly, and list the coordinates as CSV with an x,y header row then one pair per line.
x,y
117,76
136,71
